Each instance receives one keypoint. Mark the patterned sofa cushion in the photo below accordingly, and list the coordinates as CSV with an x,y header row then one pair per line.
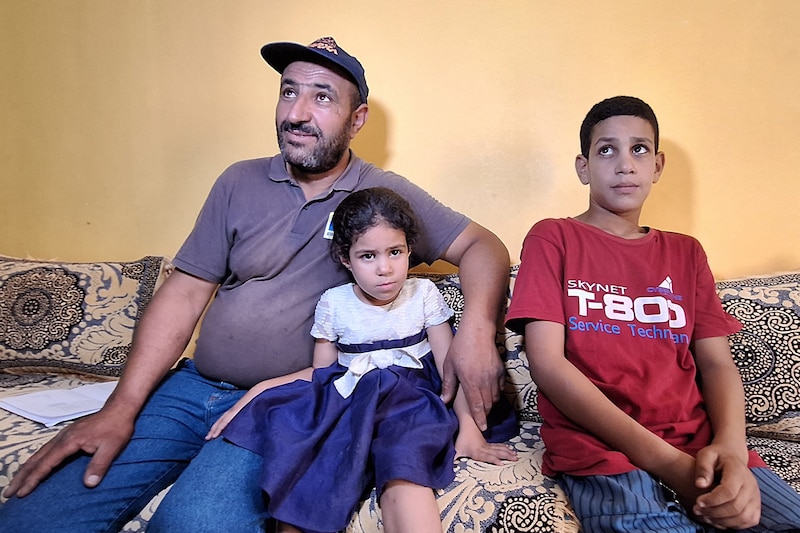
x,y
767,350
72,317
519,388
515,497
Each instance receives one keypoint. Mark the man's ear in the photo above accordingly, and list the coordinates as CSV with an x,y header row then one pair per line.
x,y
582,168
661,160
359,119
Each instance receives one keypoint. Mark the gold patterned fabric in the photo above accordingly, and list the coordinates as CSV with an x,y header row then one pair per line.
x,y
72,317
517,497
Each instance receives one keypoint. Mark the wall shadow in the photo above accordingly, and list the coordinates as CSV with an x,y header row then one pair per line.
x,y
372,143
671,201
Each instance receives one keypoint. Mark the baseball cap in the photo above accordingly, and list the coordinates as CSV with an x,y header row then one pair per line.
x,y
279,55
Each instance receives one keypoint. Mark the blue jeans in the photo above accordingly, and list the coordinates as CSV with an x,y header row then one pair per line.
x,y
216,483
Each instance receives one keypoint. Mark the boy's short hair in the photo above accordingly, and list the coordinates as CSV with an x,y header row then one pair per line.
x,y
614,107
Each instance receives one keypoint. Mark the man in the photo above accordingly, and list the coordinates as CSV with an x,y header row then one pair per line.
x,y
260,248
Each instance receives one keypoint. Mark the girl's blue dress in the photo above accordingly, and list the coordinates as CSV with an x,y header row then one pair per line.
x,y
324,451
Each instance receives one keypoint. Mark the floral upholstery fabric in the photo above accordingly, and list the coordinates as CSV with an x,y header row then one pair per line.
x,y
517,497
72,317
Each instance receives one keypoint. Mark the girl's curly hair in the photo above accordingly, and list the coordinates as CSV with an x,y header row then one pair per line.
x,y
365,209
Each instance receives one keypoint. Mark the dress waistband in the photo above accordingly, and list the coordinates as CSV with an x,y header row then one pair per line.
x,y
383,344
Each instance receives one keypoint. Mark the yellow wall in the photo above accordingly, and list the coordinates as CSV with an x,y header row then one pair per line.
x,y
116,116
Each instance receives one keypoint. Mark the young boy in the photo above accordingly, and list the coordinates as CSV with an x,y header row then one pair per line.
x,y
643,407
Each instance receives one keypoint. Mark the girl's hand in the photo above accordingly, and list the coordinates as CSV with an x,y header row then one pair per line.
x,y
470,443
489,452
223,421
258,388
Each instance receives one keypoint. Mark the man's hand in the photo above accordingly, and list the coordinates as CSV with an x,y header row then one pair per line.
x,y
473,361
102,435
734,499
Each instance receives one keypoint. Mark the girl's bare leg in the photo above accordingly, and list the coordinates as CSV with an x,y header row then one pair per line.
x,y
409,508
286,528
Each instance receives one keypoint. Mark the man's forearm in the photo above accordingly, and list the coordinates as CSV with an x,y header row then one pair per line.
x,y
483,265
472,358
162,335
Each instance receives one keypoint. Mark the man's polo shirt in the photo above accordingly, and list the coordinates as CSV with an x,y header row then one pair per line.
x,y
267,247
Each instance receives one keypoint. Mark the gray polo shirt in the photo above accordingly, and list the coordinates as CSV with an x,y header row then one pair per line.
x,y
265,245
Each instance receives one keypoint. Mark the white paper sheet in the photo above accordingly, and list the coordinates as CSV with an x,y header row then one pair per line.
x,y
50,407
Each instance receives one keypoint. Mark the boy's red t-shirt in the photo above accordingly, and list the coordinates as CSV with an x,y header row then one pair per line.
x,y
631,311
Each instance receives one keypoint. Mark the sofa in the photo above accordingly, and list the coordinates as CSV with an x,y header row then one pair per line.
x,y
67,324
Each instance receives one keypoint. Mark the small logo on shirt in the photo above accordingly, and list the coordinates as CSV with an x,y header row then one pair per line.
x,y
665,289
328,234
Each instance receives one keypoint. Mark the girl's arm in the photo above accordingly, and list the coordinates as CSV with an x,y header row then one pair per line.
x,y
734,502
469,442
223,421
325,353
583,403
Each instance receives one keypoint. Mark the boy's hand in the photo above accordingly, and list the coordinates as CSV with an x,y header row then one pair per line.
x,y
733,499
681,478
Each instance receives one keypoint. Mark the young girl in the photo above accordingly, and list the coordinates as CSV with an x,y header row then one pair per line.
x,y
368,413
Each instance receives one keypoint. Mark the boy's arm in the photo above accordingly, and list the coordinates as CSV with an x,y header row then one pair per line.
x,y
735,501
470,442
325,353
581,401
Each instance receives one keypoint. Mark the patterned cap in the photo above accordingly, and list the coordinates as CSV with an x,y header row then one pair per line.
x,y
322,51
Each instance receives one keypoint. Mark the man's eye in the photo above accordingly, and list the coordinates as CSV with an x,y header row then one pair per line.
x,y
324,98
288,93
605,150
640,149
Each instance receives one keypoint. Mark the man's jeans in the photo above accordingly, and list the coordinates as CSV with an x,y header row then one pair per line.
x,y
216,483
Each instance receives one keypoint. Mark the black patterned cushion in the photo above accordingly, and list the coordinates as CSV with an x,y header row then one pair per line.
x,y
72,317
519,387
781,456
514,497
767,349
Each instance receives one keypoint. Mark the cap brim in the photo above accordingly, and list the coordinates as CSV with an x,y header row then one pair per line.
x,y
280,55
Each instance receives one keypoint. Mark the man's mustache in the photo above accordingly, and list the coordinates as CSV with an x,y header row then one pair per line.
x,y
306,129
